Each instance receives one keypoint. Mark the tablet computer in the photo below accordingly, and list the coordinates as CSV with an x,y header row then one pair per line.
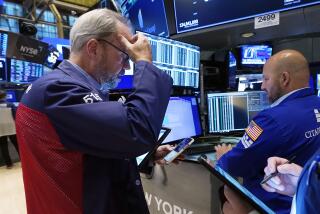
x,y
142,160
227,179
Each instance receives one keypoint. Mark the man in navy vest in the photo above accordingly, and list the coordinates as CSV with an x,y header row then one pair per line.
x,y
78,148
291,127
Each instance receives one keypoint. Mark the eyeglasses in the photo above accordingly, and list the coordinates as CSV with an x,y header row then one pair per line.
x,y
125,58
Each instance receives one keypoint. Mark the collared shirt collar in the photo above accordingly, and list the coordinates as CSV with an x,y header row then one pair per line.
x,y
90,79
278,101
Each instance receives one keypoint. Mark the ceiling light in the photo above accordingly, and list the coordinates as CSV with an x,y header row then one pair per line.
x,y
247,35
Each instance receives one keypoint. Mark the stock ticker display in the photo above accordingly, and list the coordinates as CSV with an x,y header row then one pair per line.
x,y
24,72
180,60
233,111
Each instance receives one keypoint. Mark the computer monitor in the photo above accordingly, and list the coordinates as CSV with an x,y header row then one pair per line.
x,y
3,69
3,44
247,82
147,16
233,111
255,55
178,59
182,117
22,72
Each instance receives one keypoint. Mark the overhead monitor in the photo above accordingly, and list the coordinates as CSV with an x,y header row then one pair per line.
x,y
192,15
23,72
3,69
3,43
178,59
255,55
233,111
183,118
147,16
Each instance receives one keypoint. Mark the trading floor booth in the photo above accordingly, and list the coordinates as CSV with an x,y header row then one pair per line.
x,y
186,188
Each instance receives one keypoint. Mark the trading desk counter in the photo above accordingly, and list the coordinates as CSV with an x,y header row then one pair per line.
x,y
186,188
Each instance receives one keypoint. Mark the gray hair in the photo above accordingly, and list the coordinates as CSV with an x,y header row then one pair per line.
x,y
97,23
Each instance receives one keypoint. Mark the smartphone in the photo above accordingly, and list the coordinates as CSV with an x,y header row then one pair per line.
x,y
142,160
185,143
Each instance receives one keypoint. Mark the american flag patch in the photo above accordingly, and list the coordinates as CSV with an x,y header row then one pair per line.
x,y
254,131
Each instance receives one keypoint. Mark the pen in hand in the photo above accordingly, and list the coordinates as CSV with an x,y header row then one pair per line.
x,y
267,178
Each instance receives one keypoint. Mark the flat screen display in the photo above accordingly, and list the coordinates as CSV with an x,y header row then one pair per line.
x,y
255,54
233,111
249,82
182,117
3,69
147,16
24,72
3,43
191,15
180,60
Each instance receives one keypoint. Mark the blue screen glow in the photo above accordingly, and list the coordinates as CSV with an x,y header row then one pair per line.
x,y
255,54
182,117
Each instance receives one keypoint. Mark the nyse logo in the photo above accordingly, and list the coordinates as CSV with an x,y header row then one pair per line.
x,y
29,50
188,24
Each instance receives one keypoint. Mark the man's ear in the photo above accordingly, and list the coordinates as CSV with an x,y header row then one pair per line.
x,y
285,78
92,48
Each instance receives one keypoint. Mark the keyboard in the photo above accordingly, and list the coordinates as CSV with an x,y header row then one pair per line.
x,y
200,148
